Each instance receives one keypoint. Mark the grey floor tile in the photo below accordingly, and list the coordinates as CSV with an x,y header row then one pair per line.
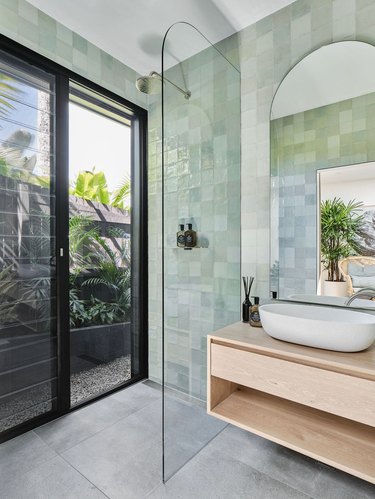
x,y
137,396
123,461
188,428
190,420
52,480
334,484
214,475
69,430
285,465
22,454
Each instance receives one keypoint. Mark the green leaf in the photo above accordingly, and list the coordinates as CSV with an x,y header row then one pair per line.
x,y
121,196
92,186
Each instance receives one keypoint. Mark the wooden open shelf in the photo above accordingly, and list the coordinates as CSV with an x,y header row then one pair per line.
x,y
333,440
318,403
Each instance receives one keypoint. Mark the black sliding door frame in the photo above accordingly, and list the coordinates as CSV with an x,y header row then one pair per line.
x,y
138,117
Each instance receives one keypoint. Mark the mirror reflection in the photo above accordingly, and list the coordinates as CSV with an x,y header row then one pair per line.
x,y
323,177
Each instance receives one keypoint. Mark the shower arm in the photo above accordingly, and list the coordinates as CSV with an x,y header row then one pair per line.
x,y
186,93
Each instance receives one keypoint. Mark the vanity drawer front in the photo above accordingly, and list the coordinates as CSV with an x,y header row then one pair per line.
x,y
329,391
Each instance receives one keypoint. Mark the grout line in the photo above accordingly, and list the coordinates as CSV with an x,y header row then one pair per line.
x,y
101,430
307,494
153,489
83,476
59,453
196,453
56,456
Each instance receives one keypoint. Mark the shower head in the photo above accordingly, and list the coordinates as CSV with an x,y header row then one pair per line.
x,y
151,84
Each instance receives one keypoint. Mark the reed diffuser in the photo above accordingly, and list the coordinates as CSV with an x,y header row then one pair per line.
x,y
247,283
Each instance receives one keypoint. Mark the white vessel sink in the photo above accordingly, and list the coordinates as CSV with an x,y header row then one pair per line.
x,y
341,330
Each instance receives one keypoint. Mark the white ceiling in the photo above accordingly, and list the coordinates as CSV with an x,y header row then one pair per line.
x,y
132,30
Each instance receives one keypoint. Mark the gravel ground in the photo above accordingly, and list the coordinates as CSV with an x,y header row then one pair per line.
x,y
25,407
84,385
87,384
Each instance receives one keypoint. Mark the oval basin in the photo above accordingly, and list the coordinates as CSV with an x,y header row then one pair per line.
x,y
341,330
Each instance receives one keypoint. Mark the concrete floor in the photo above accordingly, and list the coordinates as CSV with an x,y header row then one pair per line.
x,y
112,449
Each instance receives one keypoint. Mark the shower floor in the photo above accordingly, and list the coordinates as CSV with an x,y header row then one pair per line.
x,y
112,449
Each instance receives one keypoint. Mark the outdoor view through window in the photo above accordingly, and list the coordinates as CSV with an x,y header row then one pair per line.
x,y
99,242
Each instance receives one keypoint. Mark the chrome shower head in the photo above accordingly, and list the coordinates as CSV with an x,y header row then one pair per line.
x,y
151,84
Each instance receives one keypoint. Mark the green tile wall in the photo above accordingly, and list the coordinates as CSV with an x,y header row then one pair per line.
x,y
22,22
268,50
202,186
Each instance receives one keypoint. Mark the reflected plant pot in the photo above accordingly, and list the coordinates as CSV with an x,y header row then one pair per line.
x,y
335,288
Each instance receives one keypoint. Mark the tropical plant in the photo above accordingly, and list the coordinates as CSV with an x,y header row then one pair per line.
x,y
8,303
84,244
91,185
89,252
8,90
77,310
116,281
121,196
20,296
13,163
340,223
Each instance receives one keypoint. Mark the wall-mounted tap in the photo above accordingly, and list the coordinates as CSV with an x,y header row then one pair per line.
x,y
365,293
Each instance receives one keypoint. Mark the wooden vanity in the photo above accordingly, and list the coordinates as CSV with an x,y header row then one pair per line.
x,y
317,402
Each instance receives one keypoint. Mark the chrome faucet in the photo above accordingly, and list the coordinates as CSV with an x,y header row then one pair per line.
x,y
365,293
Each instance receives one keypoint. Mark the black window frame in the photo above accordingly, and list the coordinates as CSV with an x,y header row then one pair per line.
x,y
63,78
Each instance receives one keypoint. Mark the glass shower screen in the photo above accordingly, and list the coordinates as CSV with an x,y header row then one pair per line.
x,y
201,187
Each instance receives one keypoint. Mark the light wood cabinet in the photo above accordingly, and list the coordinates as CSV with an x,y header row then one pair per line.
x,y
317,402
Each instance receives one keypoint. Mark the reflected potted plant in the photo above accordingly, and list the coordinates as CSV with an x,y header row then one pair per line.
x,y
340,223
100,293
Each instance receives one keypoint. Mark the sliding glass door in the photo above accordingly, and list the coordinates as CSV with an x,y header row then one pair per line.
x,y
28,326
100,233
73,241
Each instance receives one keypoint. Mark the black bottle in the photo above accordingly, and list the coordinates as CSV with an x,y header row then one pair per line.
x,y
246,309
190,237
181,237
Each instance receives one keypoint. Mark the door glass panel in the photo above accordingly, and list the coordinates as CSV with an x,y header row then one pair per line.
x,y
100,205
28,367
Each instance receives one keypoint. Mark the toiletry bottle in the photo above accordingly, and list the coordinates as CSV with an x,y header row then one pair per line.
x,y
246,305
181,237
190,237
254,313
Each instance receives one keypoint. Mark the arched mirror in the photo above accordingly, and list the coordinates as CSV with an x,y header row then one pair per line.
x,y
322,126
